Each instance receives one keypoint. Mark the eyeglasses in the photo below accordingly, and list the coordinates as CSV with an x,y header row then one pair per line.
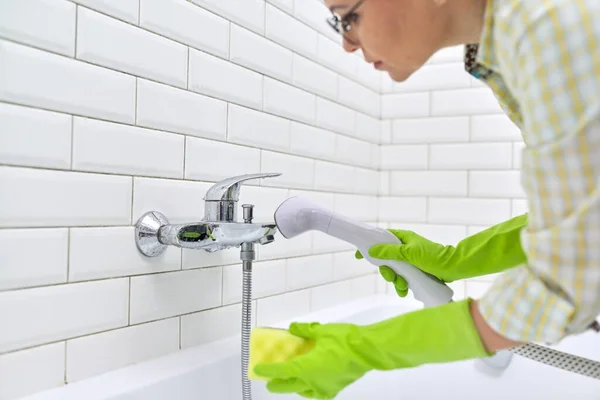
x,y
343,25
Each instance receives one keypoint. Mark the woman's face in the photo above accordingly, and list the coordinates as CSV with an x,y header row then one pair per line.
x,y
396,36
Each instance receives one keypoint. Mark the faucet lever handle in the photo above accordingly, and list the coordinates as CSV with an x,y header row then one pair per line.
x,y
229,189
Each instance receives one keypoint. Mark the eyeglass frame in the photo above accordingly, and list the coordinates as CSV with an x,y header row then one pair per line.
x,y
335,20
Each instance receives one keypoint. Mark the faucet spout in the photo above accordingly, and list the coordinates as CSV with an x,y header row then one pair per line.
x,y
215,236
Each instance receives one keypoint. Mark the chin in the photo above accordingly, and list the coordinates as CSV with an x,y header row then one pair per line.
x,y
400,76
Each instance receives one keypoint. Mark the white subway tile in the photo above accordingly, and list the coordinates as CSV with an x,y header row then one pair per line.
x,y
359,97
69,198
519,207
429,183
368,128
468,211
431,130
330,295
309,271
248,13
268,279
286,5
187,23
31,371
369,76
518,149
496,184
24,268
345,265
93,355
296,172
283,307
364,286
260,54
387,84
127,10
464,102
458,287
472,230
49,131
42,315
289,102
375,156
405,105
352,151
299,246
200,259
366,181
359,207
436,77
105,41
444,234
402,209
114,148
331,54
213,161
334,177
171,109
384,183
314,77
494,128
254,128
291,33
404,157
166,295
324,199
471,156
314,142
40,79
223,321
448,55
219,78
50,27
314,13
386,131
335,117
180,201
119,257
266,200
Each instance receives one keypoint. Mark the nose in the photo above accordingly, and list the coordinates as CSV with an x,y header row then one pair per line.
x,y
350,47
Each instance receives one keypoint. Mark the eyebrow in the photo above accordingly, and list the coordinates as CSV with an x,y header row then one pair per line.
x,y
337,7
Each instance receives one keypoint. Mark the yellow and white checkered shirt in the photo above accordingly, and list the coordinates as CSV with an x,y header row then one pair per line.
x,y
541,58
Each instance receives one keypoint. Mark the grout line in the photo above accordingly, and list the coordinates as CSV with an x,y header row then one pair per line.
x,y
76,30
129,304
65,371
72,140
68,255
139,16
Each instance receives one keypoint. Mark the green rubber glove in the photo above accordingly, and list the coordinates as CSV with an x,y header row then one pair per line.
x,y
343,353
493,250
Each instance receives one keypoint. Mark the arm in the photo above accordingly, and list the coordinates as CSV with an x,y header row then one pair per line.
x,y
555,74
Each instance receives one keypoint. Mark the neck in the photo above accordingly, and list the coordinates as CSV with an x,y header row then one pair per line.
x,y
465,20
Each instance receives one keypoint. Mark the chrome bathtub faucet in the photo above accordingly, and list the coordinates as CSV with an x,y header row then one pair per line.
x,y
218,230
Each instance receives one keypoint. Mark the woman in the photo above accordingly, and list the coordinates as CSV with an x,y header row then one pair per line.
x,y
541,58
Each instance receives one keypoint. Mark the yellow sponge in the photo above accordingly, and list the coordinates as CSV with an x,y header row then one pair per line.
x,y
268,345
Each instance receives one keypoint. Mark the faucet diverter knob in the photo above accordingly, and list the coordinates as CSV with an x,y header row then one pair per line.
x,y
248,212
221,198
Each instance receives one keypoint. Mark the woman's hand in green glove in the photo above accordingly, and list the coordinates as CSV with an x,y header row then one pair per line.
x,y
492,250
343,353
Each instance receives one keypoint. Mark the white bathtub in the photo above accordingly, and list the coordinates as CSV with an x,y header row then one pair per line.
x,y
212,372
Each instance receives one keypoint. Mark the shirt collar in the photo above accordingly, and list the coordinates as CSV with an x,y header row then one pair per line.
x,y
480,59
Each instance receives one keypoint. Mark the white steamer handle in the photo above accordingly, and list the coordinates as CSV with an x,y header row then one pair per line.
x,y
426,288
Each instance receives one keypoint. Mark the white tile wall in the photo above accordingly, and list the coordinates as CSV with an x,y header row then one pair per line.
x,y
139,52
113,108
51,27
